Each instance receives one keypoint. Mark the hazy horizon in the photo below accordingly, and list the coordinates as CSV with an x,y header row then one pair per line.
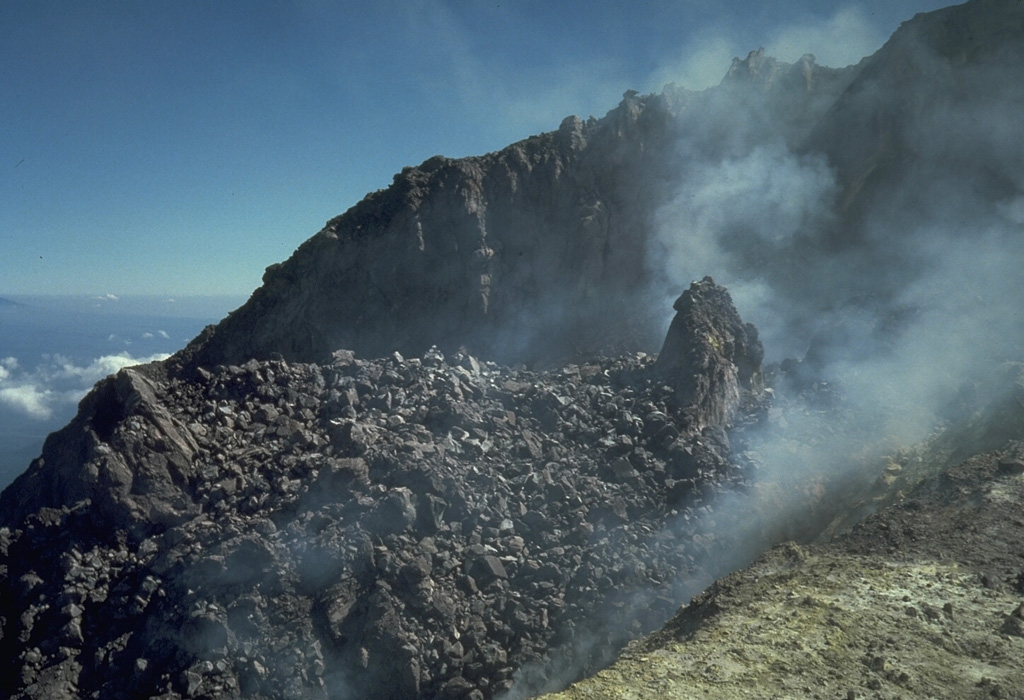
x,y
171,305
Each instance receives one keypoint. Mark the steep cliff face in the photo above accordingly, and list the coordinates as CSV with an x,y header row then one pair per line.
x,y
547,249
927,108
541,251
514,254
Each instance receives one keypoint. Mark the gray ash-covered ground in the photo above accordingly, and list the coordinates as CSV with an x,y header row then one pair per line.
x,y
390,528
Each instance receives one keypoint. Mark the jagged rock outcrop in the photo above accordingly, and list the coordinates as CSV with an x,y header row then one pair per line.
x,y
135,484
390,528
710,356
539,252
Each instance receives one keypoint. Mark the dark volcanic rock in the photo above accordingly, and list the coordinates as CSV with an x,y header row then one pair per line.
x,y
268,516
538,252
517,255
138,484
710,356
393,528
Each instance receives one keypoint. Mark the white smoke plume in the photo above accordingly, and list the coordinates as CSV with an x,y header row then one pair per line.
x,y
906,301
838,40
731,215
900,320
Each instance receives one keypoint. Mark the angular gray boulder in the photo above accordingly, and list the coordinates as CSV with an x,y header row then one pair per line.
x,y
710,356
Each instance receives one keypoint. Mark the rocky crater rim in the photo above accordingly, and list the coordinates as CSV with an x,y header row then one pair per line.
x,y
432,526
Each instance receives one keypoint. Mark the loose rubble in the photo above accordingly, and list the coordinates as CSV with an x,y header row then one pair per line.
x,y
390,528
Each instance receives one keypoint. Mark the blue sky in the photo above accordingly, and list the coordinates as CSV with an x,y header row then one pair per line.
x,y
178,148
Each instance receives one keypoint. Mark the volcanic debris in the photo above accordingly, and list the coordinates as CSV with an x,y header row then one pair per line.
x,y
390,528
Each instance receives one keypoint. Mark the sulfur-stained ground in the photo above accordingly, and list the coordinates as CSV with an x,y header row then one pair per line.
x,y
921,600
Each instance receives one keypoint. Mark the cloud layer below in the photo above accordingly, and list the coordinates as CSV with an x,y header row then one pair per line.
x,y
56,382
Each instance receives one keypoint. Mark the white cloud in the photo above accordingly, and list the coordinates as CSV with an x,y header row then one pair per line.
x,y
63,368
57,381
28,399
163,334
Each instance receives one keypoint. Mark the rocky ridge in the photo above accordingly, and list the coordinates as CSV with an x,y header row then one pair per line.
x,y
545,250
540,252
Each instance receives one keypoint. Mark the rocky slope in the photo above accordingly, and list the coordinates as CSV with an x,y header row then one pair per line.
x,y
921,600
385,528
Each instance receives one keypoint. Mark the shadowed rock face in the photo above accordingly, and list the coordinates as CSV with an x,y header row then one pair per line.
x,y
898,130
134,484
524,254
548,249
540,252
